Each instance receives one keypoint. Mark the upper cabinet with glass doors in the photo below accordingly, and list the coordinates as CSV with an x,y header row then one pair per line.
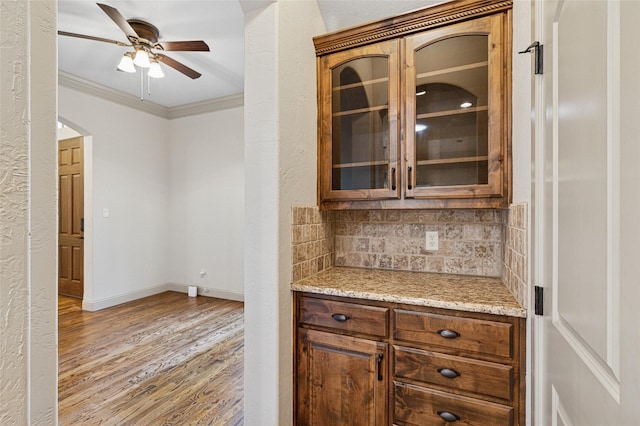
x,y
421,119
359,150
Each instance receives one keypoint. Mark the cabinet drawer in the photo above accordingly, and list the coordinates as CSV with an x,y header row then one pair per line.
x,y
414,405
464,334
486,378
344,316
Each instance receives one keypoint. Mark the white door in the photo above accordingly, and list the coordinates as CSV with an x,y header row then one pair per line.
x,y
586,354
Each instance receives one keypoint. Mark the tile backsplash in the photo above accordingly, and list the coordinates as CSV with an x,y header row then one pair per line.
x,y
311,241
490,243
515,252
470,241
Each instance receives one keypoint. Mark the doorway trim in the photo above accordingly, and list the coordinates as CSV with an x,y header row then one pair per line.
x,y
88,297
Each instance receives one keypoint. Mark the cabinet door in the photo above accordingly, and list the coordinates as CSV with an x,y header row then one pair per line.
x,y
455,119
341,380
359,90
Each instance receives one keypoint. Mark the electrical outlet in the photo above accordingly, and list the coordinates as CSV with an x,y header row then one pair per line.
x,y
431,241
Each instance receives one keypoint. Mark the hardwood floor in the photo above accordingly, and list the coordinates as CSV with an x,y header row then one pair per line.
x,y
167,359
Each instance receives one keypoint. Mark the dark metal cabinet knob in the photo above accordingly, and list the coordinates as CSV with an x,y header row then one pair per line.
x,y
340,317
448,417
448,334
448,373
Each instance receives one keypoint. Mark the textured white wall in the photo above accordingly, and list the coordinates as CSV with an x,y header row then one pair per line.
x,y
261,276
280,167
129,173
207,202
522,84
28,357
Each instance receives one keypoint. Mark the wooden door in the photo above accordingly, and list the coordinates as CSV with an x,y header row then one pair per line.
x,y
341,380
586,211
71,217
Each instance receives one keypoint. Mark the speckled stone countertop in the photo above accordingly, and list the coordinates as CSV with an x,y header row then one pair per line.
x,y
460,292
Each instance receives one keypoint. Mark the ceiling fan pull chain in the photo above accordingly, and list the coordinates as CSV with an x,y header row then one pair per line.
x,y
148,84
142,85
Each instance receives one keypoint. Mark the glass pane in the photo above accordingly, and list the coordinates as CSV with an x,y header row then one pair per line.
x,y
350,98
452,136
367,135
369,177
360,124
451,140
452,174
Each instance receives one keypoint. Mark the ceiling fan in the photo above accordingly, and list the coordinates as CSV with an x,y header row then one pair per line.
x,y
143,37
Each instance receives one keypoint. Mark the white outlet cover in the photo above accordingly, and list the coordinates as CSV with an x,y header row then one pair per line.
x,y
431,240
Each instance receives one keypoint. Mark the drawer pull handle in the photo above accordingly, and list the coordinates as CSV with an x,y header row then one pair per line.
x,y
448,373
340,317
448,417
448,334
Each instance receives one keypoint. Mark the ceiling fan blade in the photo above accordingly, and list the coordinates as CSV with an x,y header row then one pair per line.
x,y
178,66
185,46
119,20
88,37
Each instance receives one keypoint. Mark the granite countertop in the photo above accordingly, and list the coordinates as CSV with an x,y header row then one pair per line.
x,y
460,292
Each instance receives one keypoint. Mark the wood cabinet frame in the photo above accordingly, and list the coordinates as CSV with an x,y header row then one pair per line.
x,y
396,342
388,49
495,194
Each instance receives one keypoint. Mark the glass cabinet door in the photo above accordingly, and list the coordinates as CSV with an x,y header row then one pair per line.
x,y
453,121
358,146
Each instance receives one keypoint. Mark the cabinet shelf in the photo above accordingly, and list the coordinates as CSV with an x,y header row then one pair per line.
x,y
360,110
360,164
452,112
361,84
453,69
452,160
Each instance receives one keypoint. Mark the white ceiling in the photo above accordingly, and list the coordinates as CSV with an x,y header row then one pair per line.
x,y
220,23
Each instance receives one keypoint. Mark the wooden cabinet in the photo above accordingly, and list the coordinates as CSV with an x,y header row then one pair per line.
x,y
414,111
341,379
360,362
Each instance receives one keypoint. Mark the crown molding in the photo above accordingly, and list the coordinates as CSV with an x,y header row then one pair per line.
x,y
89,87
408,23
210,105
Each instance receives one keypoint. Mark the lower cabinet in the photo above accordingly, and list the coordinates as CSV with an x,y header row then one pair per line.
x,y
359,362
341,380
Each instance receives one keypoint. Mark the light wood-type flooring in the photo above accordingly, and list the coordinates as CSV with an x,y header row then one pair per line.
x,y
167,359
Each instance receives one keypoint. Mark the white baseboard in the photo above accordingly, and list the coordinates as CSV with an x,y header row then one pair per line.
x,y
97,305
208,292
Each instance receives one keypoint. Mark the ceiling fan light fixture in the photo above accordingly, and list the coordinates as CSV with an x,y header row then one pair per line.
x,y
155,70
126,64
142,59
